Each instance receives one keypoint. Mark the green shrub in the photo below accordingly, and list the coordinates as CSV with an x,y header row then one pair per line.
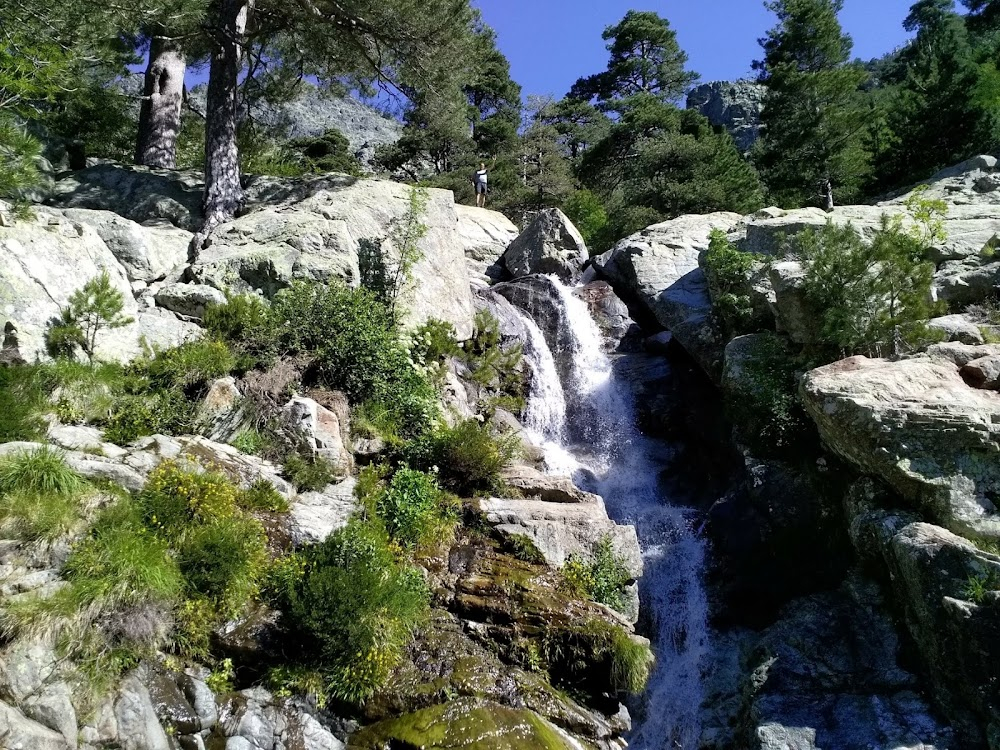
x,y
157,412
250,441
190,365
308,474
361,607
468,456
261,495
493,364
246,323
23,398
43,471
175,499
631,662
95,307
603,578
765,403
87,393
430,345
329,152
728,272
412,508
224,560
869,298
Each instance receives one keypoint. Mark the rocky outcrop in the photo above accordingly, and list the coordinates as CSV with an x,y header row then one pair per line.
x,y
549,245
485,235
945,589
325,432
733,105
49,257
656,271
315,228
920,427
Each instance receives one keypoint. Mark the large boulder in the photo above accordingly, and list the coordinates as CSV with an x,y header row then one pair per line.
x,y
550,245
49,257
136,193
20,733
484,235
147,252
656,271
315,228
188,299
326,432
921,428
930,572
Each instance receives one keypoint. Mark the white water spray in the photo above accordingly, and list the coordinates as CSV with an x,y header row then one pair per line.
x,y
601,446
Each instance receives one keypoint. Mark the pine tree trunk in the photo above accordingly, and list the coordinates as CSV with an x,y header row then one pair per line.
x,y
223,192
160,115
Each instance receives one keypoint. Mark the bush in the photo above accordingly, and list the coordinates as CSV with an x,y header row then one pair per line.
x,y
190,365
361,608
224,560
412,508
23,397
871,298
430,346
175,498
495,365
251,441
43,471
728,272
468,457
603,578
262,496
329,152
765,404
245,322
308,474
158,412
95,307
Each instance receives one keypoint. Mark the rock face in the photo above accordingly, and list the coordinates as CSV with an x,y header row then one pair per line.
x,y
46,259
928,571
485,235
734,105
656,271
917,424
550,245
314,228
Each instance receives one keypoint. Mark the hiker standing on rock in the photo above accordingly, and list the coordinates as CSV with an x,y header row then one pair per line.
x,y
480,180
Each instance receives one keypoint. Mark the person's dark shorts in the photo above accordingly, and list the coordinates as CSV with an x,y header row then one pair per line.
x,y
480,188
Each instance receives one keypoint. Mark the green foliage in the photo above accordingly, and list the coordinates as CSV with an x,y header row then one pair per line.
x,y
645,59
94,121
813,116
728,272
308,473
588,214
603,578
220,681
262,496
250,441
524,548
574,650
19,153
430,346
95,307
360,606
43,471
468,457
329,152
190,365
156,412
386,266
764,401
631,662
666,162
978,587
246,323
493,363
412,506
872,297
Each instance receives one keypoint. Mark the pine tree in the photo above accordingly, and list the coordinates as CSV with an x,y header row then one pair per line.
x,y
645,59
935,115
813,118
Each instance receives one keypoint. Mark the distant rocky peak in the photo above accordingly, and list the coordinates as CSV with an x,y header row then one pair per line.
x,y
734,105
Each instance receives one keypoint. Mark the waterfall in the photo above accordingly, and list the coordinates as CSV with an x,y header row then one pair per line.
x,y
597,441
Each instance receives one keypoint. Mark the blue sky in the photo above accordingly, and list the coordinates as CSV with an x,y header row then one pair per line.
x,y
551,43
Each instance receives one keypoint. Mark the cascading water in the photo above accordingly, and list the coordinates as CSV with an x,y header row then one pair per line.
x,y
593,436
